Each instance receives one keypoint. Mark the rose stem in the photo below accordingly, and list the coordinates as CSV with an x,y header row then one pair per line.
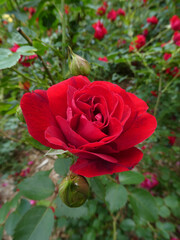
x,y
30,43
63,38
159,96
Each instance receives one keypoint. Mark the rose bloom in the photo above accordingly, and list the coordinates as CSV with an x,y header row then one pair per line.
x,y
166,56
152,20
176,38
101,11
112,15
154,93
100,30
98,121
105,4
138,43
26,61
175,23
66,9
103,59
120,11
172,140
150,181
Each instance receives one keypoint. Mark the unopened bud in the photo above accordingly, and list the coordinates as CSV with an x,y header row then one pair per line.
x,y
74,190
78,65
19,114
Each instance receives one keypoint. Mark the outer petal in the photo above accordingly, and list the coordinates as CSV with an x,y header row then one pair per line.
x,y
38,116
142,128
95,167
57,94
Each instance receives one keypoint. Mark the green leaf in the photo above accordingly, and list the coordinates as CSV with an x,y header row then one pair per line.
x,y
64,211
37,223
127,225
62,166
37,187
1,232
131,177
164,212
26,50
143,204
116,197
41,48
8,59
16,216
8,206
97,187
171,201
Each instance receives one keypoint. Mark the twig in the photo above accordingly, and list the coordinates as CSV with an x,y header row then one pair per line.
x,y
30,43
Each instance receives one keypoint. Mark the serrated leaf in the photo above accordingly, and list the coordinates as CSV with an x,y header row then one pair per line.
x,y
130,177
9,60
37,187
37,223
64,211
98,187
116,197
164,212
127,224
16,216
26,50
4,210
62,166
143,204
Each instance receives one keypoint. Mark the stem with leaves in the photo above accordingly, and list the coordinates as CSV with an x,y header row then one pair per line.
x,y
30,43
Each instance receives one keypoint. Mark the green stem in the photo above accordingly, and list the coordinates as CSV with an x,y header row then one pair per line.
x,y
23,75
30,43
63,38
159,96
114,229
169,83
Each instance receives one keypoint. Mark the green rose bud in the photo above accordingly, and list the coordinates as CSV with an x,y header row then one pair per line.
x,y
19,114
78,65
74,190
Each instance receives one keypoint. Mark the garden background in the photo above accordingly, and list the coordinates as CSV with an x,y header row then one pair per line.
x,y
135,44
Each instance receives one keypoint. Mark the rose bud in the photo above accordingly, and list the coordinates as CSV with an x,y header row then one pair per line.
x,y
74,190
78,65
19,114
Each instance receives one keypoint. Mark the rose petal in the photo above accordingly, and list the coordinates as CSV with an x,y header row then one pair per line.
x,y
142,128
57,94
95,167
38,116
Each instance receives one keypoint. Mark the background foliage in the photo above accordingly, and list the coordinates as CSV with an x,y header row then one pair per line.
x,y
117,203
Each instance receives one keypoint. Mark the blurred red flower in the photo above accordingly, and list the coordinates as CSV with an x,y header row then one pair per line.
x,y
152,20
120,11
103,59
112,15
101,11
100,30
176,38
166,56
175,23
138,43
150,181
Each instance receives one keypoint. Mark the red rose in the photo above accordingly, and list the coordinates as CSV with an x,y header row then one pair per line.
x,y
103,59
100,30
172,140
101,11
26,61
150,181
152,20
97,121
176,38
120,11
175,23
167,56
138,43
154,93
112,15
